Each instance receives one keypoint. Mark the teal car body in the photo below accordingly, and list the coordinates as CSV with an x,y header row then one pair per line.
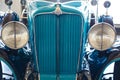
x,y
58,34
61,41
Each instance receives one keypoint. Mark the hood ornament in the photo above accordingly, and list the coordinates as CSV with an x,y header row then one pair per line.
x,y
58,10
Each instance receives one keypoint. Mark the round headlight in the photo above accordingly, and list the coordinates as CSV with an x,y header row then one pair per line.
x,y
101,36
14,34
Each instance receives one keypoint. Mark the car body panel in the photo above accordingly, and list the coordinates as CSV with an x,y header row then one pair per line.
x,y
58,40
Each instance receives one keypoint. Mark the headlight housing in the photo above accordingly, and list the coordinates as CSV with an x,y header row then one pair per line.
x,y
102,36
14,34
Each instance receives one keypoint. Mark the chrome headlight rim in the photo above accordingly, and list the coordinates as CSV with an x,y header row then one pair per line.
x,y
23,25
112,27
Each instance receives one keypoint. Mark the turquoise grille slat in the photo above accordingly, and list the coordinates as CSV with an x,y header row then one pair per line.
x,y
48,29
45,29
70,35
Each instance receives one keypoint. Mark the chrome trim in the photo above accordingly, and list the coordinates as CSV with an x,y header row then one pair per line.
x,y
15,36
78,64
35,50
103,23
58,10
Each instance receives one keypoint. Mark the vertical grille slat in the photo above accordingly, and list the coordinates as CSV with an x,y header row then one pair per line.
x,y
70,30
70,35
45,33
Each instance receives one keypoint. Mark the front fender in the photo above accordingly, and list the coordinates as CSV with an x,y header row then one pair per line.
x,y
114,56
99,60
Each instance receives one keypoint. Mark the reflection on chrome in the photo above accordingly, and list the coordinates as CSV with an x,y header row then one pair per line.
x,y
109,71
6,72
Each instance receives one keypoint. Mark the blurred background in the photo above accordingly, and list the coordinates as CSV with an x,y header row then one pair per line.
x,y
113,10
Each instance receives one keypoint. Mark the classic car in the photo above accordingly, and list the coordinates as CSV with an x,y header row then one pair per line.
x,y
58,40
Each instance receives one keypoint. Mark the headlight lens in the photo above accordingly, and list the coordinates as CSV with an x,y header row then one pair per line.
x,y
14,34
101,36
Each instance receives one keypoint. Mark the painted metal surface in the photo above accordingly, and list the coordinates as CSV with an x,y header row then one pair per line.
x,y
58,40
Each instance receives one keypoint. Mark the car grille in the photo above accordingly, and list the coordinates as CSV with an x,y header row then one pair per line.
x,y
58,40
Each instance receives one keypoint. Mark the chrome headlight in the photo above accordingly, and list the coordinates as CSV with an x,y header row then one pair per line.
x,y
14,34
101,36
